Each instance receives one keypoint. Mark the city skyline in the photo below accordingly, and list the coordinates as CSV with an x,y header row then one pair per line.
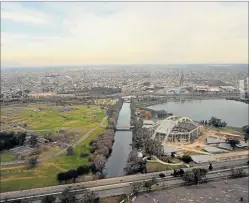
x,y
63,33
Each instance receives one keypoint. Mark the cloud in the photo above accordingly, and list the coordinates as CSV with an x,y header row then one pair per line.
x,y
148,32
18,13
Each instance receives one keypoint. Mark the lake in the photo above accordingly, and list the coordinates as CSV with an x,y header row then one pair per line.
x,y
233,112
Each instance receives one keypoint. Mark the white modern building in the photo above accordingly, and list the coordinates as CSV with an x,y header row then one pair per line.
x,y
175,129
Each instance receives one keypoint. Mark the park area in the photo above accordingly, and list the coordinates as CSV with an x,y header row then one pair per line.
x,y
74,125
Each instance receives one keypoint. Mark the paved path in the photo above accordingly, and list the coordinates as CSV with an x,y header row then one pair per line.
x,y
165,163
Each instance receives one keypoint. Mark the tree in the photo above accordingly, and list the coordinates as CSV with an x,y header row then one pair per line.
x,y
186,158
199,174
232,142
33,140
67,197
245,130
88,197
99,162
188,178
210,167
70,151
32,162
61,176
72,174
195,176
81,170
134,163
48,199
236,172
136,187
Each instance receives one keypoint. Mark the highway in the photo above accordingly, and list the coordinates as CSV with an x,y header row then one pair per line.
x,y
108,184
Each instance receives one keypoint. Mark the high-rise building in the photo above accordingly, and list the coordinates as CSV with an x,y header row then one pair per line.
x,y
247,83
241,85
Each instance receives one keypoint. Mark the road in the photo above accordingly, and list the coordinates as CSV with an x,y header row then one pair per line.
x,y
124,188
100,185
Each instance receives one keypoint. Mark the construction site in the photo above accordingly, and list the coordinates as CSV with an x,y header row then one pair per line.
x,y
182,135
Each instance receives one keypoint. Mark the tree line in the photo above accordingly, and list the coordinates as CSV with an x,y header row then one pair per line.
x,y
9,140
141,141
100,148
214,122
73,174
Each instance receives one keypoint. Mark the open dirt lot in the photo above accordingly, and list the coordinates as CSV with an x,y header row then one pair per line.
x,y
196,147
215,192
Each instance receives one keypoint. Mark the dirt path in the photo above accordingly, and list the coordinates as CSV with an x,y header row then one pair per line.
x,y
81,139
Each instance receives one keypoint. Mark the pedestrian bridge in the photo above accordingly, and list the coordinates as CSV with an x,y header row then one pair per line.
x,y
124,128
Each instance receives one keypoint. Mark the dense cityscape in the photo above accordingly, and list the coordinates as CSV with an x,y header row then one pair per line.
x,y
126,79
124,102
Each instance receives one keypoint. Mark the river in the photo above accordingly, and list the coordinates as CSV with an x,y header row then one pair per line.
x,y
233,112
121,147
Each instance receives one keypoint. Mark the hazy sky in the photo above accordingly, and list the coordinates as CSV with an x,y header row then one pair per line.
x,y
63,33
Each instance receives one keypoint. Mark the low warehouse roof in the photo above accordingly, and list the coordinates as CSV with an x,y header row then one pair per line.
x,y
202,158
212,149
211,140
225,146
169,149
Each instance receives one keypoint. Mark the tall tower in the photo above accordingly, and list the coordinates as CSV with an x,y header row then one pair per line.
x,y
241,85
247,83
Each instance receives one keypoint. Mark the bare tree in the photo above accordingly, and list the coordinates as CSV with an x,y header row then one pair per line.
x,y
88,197
99,162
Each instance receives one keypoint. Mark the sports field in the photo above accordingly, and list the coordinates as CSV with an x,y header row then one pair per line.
x,y
80,119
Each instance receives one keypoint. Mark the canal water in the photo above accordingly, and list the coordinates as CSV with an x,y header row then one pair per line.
x,y
121,147
233,112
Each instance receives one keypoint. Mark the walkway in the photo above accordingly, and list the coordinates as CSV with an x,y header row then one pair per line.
x,y
165,163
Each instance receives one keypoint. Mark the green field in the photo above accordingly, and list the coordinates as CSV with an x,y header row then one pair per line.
x,y
228,129
7,156
19,177
82,120
156,166
53,118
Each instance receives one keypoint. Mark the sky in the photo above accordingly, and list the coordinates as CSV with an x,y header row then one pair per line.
x,y
79,33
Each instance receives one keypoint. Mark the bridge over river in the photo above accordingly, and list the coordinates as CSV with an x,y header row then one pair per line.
x,y
124,128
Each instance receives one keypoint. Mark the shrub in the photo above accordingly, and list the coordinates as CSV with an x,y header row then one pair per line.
x,y
83,155
186,158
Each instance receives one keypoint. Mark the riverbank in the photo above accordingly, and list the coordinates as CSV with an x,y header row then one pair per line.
x,y
146,102
239,100
121,147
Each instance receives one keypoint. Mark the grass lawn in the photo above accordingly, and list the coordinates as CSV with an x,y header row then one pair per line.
x,y
7,156
228,129
18,177
232,129
82,119
156,167
69,162
52,118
